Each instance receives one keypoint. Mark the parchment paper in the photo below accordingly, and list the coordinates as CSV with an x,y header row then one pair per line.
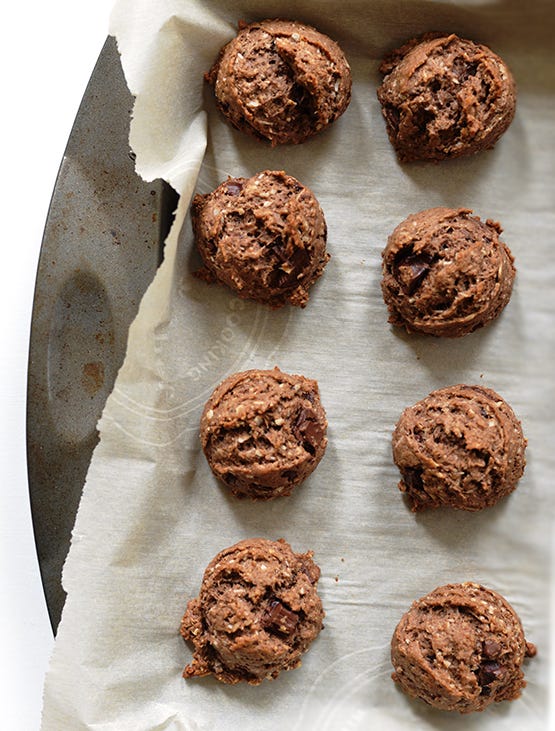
x,y
152,515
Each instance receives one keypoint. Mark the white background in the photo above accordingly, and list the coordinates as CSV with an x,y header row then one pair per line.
x,y
48,52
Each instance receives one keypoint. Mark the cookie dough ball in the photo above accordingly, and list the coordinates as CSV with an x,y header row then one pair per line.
x,y
446,272
445,97
264,237
460,648
281,81
461,447
263,432
257,612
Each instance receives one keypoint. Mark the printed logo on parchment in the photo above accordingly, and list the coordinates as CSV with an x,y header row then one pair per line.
x,y
219,352
192,355
343,698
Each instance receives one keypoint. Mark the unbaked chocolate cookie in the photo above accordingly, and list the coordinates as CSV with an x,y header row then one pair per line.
x,y
263,432
443,96
460,648
446,272
281,81
257,612
264,237
461,447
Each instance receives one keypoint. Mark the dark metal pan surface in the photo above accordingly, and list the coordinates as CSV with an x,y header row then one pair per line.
x,y
101,247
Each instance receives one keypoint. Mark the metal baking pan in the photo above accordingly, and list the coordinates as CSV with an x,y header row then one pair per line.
x,y
101,247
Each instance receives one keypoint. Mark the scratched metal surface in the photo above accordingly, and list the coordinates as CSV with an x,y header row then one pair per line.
x,y
101,247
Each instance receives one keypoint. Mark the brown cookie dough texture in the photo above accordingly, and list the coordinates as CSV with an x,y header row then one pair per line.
x,y
263,432
446,272
257,612
281,81
264,237
461,447
460,648
445,97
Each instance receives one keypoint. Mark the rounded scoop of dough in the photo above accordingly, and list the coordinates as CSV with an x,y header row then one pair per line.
x,y
281,81
444,97
446,272
263,432
257,612
460,648
264,237
461,446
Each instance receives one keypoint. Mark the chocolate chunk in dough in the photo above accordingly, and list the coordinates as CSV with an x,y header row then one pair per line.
x,y
444,96
279,619
281,81
263,432
460,648
446,272
461,447
257,612
264,237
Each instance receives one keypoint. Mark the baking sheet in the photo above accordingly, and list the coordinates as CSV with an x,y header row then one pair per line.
x,y
152,516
